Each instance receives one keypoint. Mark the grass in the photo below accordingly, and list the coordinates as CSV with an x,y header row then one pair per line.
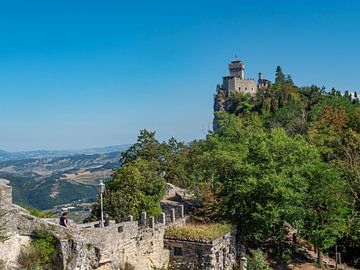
x,y
199,232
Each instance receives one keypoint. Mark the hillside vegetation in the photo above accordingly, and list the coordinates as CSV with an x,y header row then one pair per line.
x,y
46,182
288,155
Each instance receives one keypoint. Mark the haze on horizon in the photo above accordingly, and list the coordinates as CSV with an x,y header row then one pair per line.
x,y
88,74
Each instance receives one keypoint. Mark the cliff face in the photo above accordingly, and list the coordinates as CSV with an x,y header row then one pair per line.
x,y
219,100
219,106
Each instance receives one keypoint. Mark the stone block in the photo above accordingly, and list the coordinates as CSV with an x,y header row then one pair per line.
x,y
143,218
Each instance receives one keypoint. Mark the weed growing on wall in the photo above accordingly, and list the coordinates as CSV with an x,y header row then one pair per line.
x,y
40,252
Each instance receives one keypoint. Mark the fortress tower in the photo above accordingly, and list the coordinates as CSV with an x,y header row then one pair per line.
x,y
237,69
237,83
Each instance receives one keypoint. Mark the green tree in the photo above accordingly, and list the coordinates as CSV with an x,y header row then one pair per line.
x,y
260,174
279,75
328,207
134,187
168,158
291,117
146,147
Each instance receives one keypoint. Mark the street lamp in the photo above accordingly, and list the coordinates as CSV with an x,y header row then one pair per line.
x,y
197,184
101,189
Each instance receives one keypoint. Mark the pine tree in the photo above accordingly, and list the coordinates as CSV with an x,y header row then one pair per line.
x,y
279,75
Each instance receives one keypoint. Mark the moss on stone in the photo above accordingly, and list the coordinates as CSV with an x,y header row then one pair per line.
x,y
199,232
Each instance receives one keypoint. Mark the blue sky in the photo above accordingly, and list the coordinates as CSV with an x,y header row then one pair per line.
x,y
77,74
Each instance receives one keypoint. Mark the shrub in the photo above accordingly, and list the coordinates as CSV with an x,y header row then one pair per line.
x,y
40,252
258,261
29,258
127,266
38,213
44,242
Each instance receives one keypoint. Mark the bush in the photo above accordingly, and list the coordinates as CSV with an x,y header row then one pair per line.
x,y
29,258
40,252
127,266
258,261
38,213
44,242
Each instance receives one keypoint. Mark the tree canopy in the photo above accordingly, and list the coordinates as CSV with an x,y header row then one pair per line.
x,y
288,155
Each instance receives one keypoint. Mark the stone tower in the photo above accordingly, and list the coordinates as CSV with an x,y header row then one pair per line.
x,y
236,82
237,69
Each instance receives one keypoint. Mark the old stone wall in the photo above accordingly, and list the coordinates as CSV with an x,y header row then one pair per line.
x,y
85,247
237,85
220,254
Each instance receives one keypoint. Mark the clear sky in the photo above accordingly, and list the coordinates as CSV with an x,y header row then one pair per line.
x,y
84,73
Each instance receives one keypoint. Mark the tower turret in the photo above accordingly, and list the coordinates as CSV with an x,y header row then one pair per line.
x,y
237,68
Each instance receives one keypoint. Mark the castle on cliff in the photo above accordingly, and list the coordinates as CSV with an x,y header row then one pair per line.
x,y
237,83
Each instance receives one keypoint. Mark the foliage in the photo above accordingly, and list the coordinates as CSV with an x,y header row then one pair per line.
x,y
199,231
167,157
287,155
279,76
38,213
328,206
28,191
291,117
29,258
127,266
209,208
135,187
260,173
40,252
257,261
311,181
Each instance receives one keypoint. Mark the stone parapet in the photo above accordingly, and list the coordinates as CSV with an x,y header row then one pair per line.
x,y
87,246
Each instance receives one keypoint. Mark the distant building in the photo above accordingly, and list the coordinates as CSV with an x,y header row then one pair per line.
x,y
237,83
263,83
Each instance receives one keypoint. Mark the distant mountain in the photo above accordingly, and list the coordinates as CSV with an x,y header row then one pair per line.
x,y
4,155
48,181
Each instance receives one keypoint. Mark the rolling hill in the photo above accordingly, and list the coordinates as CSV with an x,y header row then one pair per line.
x,y
44,182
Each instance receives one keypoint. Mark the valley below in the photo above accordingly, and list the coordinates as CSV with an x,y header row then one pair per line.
x,y
51,182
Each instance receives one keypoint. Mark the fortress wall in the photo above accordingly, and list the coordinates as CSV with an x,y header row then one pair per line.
x,y
218,254
89,248
245,86
235,84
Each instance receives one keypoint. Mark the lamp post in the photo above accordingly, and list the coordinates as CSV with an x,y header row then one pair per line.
x,y
197,184
101,189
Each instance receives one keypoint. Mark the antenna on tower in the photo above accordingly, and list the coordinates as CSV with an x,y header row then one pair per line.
x,y
236,57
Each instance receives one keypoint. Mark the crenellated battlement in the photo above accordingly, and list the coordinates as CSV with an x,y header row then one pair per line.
x,y
140,242
87,246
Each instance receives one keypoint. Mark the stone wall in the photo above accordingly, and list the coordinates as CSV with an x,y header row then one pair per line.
x,y
220,254
237,85
85,247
